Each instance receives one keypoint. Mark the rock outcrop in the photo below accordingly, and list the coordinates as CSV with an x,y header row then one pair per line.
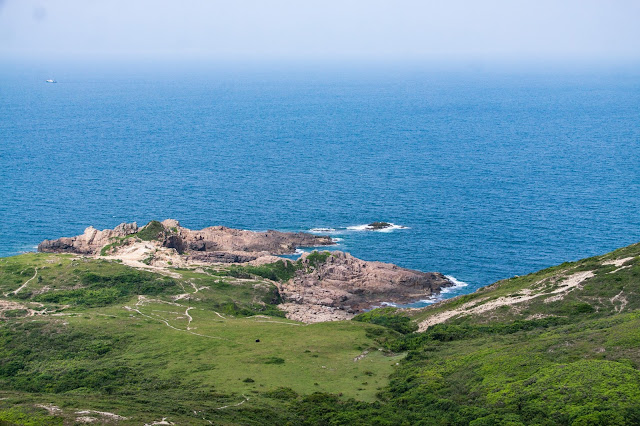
x,y
90,242
215,244
222,239
343,281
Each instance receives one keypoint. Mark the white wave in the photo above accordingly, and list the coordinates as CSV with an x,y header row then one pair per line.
x,y
457,284
429,301
367,227
359,228
391,228
337,240
320,230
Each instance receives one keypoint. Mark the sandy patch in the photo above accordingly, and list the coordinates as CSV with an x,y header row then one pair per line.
x,y
133,255
52,409
617,262
475,307
104,414
161,422
6,305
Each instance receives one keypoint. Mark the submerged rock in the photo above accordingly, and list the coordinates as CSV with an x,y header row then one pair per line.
x,y
379,225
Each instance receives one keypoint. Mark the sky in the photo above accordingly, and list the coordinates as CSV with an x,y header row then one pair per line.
x,y
605,31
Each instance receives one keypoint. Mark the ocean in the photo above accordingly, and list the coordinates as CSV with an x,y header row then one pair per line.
x,y
486,174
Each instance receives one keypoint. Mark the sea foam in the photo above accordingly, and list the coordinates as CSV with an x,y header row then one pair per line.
x,y
366,227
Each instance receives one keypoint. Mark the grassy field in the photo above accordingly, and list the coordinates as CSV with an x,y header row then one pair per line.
x,y
146,346
173,346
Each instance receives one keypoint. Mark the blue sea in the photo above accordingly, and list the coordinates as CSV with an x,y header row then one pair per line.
x,y
487,174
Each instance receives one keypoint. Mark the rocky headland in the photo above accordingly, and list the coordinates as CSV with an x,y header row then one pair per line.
x,y
169,233
324,285
339,284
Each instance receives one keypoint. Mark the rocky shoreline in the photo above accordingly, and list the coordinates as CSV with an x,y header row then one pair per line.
x,y
214,239
326,286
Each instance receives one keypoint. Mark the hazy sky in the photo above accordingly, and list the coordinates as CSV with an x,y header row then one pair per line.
x,y
604,30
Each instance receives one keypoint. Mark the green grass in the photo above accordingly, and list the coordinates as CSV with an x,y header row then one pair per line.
x,y
102,350
388,317
596,296
185,347
152,357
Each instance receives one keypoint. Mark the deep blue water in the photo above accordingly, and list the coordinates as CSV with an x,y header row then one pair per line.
x,y
494,174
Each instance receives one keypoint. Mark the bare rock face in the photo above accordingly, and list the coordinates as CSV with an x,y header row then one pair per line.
x,y
220,238
214,244
220,257
88,243
345,282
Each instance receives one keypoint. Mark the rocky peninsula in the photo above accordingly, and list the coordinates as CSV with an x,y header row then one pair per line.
x,y
320,286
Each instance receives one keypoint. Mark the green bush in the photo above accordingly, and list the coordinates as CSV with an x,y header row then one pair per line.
x,y
153,230
317,258
388,317
277,271
282,393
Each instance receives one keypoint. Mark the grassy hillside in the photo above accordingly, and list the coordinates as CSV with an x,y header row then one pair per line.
x,y
86,334
560,346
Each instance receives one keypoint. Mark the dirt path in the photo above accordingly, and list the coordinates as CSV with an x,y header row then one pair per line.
x,y
188,316
235,405
110,416
619,298
155,317
6,305
25,283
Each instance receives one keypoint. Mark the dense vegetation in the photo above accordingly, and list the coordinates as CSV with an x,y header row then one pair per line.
x,y
281,270
151,231
192,349
388,317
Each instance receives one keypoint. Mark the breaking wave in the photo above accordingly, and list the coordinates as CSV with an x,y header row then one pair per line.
x,y
367,227
445,293
355,228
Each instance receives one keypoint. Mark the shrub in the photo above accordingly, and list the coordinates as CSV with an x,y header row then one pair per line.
x,y
153,230
388,317
282,393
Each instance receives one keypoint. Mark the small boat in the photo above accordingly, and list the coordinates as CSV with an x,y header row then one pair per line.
x,y
50,81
